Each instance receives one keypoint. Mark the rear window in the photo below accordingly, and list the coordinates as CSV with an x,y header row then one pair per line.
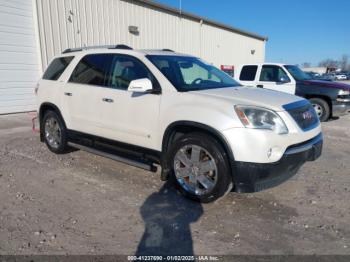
x,y
92,70
248,73
57,67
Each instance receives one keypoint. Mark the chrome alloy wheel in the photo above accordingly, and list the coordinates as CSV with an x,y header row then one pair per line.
x,y
53,132
318,109
195,169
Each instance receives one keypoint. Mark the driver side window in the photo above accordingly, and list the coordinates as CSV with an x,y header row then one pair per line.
x,y
272,73
126,69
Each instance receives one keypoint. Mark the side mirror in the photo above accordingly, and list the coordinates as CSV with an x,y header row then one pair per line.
x,y
283,80
142,85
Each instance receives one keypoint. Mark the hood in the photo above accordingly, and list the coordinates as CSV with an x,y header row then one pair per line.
x,y
251,96
328,84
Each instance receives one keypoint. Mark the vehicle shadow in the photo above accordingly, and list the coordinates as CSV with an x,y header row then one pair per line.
x,y
333,118
167,216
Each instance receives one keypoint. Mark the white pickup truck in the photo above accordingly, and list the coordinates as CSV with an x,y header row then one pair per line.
x,y
158,107
329,99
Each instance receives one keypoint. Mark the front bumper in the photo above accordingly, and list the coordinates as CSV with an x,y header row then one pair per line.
x,y
254,177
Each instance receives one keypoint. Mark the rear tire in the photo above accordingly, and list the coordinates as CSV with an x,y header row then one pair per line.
x,y
322,108
54,132
199,167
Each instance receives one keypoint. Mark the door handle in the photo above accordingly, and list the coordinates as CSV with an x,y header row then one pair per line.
x,y
68,94
260,86
108,100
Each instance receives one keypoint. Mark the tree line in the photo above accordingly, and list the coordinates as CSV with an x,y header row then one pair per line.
x,y
342,63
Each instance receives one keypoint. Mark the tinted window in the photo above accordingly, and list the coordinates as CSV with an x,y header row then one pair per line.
x,y
190,73
248,73
92,70
57,67
271,73
126,69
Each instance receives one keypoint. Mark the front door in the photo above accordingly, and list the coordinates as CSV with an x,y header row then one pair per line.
x,y
274,77
129,117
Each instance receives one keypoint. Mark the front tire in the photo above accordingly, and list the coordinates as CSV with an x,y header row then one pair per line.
x,y
322,108
200,167
54,132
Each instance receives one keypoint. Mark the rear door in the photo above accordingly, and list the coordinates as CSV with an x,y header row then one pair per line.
x,y
83,93
248,75
276,78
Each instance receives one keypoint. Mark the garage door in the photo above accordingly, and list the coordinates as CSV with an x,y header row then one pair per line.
x,y
19,60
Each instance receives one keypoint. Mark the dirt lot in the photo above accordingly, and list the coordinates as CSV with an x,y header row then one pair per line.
x,y
79,203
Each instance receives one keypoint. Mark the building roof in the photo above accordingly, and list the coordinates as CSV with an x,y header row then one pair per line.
x,y
207,21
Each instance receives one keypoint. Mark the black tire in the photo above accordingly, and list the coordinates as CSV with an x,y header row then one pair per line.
x,y
324,111
62,147
224,181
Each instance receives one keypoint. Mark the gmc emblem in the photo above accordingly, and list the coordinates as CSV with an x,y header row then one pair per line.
x,y
307,115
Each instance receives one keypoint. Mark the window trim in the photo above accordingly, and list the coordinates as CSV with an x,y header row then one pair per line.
x,y
64,70
256,73
278,66
156,86
76,66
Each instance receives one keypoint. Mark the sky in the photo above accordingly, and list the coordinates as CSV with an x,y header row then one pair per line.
x,y
299,31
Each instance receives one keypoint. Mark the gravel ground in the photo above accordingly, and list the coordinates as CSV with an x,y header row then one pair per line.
x,y
79,203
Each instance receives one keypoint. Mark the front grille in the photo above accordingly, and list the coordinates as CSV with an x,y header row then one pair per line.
x,y
305,116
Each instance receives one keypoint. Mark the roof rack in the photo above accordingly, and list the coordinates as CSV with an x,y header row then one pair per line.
x,y
168,50
77,49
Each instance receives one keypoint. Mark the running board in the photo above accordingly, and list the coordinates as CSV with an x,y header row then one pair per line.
x,y
139,164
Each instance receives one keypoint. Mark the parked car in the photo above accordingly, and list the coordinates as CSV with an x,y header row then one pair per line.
x,y
313,75
328,77
340,77
347,74
328,98
208,133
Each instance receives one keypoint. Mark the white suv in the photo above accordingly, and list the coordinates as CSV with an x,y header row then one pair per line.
x,y
157,107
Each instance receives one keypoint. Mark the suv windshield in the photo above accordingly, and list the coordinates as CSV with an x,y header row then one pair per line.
x,y
190,73
297,73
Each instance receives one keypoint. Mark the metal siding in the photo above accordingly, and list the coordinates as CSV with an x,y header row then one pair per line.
x,y
19,60
99,22
222,47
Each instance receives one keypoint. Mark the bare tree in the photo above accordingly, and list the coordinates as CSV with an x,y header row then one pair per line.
x,y
344,63
329,63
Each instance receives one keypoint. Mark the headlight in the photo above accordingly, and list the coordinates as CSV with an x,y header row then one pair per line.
x,y
261,118
344,93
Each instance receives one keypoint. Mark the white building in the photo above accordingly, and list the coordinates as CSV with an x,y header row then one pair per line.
x,y
33,31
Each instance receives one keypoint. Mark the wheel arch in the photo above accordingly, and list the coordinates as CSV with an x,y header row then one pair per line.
x,y
178,128
323,97
44,107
